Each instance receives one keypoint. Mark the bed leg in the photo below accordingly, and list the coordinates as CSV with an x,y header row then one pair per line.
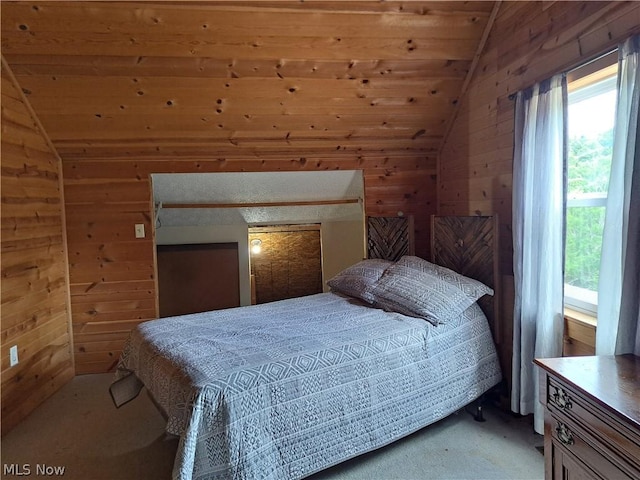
x,y
478,416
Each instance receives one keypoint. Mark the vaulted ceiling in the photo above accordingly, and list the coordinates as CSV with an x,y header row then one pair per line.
x,y
260,78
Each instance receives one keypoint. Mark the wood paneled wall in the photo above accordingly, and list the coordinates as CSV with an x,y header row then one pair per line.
x,y
530,41
35,295
125,89
112,274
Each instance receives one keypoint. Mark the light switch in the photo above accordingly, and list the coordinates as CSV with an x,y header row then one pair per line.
x,y
139,230
13,356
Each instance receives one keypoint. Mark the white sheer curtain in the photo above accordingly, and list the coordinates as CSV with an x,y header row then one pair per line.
x,y
619,286
538,237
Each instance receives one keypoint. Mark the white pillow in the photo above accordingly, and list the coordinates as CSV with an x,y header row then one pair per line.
x,y
356,280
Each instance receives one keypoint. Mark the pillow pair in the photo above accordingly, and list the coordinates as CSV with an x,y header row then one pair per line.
x,y
411,286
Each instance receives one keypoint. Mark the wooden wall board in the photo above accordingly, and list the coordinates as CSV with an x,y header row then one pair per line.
x,y
415,17
118,66
126,169
112,274
56,367
35,292
528,43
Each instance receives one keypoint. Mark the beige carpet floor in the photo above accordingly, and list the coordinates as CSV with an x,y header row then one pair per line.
x,y
79,430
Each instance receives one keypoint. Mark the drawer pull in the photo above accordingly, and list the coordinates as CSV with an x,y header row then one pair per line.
x,y
564,434
561,399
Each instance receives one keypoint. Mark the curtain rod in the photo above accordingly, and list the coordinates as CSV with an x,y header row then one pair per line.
x,y
584,65
262,204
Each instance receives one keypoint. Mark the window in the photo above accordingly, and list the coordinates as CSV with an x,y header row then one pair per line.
x,y
591,116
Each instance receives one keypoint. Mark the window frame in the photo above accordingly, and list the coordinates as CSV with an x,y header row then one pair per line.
x,y
604,68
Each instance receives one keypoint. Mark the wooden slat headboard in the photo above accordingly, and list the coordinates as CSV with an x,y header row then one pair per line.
x,y
390,237
469,246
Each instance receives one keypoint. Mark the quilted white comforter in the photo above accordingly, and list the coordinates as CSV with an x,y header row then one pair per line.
x,y
285,389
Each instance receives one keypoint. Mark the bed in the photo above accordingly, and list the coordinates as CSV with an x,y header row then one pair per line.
x,y
285,389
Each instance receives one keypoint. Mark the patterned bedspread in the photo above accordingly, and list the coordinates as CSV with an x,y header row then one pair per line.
x,y
285,389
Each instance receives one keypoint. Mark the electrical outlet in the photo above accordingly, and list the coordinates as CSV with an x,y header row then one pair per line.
x,y
139,230
13,355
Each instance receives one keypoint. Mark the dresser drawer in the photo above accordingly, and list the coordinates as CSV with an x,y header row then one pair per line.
x,y
594,459
588,417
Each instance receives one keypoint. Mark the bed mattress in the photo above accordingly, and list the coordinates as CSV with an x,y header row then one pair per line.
x,y
285,389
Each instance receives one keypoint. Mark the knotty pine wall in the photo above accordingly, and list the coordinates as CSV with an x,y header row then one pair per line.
x,y
35,295
112,274
530,41
127,89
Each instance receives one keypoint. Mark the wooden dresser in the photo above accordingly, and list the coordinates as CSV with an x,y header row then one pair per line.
x,y
592,417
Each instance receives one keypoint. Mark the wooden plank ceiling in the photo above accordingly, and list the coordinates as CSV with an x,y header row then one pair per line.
x,y
214,79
